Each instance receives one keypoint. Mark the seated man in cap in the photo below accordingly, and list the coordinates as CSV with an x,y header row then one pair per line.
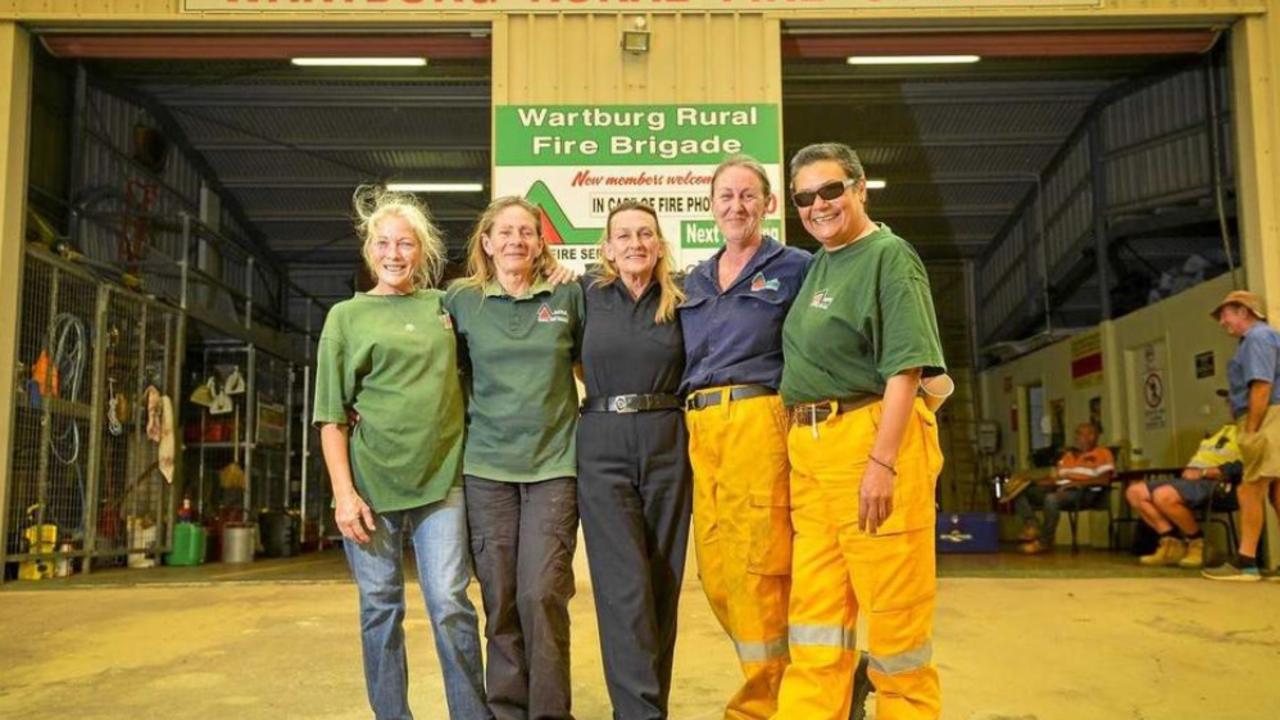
x,y
1167,505
1254,377
1066,488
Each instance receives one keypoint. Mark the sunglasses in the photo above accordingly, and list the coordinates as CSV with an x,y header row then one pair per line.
x,y
828,191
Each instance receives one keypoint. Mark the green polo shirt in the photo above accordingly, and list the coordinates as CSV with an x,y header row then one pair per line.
x,y
863,315
522,412
393,359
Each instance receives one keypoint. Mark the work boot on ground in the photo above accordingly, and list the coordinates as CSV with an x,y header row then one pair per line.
x,y
1195,554
1169,552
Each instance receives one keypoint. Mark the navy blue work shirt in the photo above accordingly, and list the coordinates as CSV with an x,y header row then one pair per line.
x,y
735,337
1256,358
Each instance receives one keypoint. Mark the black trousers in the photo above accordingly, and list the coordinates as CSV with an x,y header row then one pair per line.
x,y
523,536
635,497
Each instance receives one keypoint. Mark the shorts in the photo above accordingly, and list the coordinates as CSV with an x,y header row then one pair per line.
x,y
1261,450
1194,493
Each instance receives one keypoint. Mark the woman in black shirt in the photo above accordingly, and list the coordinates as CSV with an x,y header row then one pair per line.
x,y
634,493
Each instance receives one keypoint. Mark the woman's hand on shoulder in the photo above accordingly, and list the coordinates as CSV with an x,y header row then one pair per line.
x,y
558,274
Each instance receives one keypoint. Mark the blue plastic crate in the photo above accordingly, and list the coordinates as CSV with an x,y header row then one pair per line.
x,y
972,532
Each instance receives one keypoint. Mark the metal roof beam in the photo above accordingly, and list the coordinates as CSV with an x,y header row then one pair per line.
x,y
344,183
942,210
340,96
313,145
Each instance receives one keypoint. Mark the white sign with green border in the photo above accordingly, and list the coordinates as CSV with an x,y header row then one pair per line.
x,y
577,162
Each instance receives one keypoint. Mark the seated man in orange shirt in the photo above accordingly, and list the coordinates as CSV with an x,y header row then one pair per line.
x,y
1066,488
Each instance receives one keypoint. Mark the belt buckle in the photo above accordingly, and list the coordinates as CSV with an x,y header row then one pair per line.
x,y
695,400
625,404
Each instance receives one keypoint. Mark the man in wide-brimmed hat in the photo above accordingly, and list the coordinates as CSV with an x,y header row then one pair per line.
x,y
1254,394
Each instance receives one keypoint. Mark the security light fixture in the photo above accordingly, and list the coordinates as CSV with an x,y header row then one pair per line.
x,y
912,59
359,61
876,184
428,187
636,39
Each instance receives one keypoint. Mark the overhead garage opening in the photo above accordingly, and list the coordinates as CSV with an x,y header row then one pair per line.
x,y
289,144
216,175
1012,170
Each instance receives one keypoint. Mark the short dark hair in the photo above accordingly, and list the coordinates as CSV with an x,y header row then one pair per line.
x,y
817,152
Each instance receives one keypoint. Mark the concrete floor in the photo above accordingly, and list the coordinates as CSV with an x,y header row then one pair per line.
x,y
279,639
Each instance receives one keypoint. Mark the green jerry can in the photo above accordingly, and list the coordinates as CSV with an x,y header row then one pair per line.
x,y
188,544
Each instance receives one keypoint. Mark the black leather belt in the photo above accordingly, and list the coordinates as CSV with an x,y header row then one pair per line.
x,y
705,399
632,403
816,412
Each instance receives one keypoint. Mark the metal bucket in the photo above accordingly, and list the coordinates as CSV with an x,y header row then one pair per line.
x,y
238,541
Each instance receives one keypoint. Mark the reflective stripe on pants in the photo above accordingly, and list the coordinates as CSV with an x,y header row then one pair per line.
x,y
742,535
838,571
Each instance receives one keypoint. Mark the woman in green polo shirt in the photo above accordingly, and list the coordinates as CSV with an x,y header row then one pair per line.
x,y
519,336
864,454
389,355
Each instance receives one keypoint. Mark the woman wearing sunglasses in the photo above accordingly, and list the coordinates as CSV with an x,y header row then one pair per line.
x,y
864,453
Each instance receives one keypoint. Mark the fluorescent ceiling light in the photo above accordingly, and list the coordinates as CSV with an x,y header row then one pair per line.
x,y
359,61
912,59
426,187
876,184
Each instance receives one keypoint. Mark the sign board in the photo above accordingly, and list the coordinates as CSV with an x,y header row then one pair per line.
x,y
620,6
1086,360
577,162
1204,365
1154,407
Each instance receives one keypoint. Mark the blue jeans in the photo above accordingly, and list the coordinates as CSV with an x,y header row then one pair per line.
x,y
440,543
1053,501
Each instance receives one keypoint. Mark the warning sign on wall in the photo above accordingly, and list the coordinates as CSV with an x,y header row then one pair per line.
x,y
1154,413
577,162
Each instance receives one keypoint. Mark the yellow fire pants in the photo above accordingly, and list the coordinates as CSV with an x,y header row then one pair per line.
x,y
742,535
839,570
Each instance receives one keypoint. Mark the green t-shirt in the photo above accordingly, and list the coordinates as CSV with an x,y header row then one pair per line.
x,y
863,315
393,359
522,413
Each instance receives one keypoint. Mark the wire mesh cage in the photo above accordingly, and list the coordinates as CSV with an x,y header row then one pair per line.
x,y
139,373
83,468
46,507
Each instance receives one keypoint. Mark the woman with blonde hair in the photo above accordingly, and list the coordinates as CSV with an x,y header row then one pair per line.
x,y
389,357
519,335
633,467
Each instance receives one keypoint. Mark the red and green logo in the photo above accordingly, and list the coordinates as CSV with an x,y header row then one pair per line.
x,y
557,229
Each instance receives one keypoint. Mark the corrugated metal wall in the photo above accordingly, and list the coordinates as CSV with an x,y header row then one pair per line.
x,y
126,191
960,484
695,57
1155,154
1164,10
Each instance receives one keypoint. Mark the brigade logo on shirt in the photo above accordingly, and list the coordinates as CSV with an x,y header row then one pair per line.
x,y
759,282
821,299
546,315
